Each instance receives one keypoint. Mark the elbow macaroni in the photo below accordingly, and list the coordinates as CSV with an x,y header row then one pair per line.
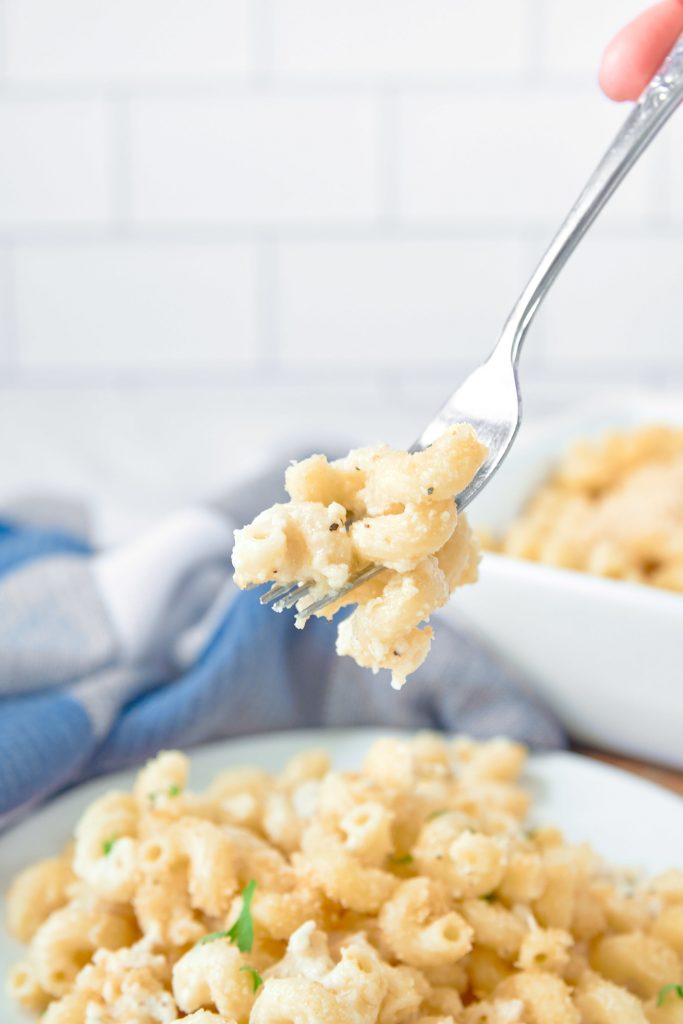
x,y
35,894
211,975
407,893
106,845
375,507
592,516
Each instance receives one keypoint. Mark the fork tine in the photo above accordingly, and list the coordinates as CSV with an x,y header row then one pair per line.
x,y
291,597
315,606
277,591
334,595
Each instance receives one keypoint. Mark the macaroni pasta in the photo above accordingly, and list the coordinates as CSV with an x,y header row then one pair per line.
x,y
374,507
409,892
613,508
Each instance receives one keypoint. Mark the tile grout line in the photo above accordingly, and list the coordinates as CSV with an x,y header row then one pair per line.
x,y
330,232
413,402
10,352
266,308
3,46
536,352
262,77
120,171
9,349
4,69
660,182
261,43
408,377
388,144
535,44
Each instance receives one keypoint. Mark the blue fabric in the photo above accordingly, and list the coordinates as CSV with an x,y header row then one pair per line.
x,y
242,679
44,740
255,673
22,544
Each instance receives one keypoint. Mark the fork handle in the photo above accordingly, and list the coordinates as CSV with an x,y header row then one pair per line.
x,y
655,106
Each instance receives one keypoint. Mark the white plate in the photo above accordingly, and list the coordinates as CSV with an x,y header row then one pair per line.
x,y
604,654
623,817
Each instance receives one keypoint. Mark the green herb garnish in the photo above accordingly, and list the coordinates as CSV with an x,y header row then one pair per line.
x,y
489,897
242,932
256,979
173,790
437,814
108,844
211,937
663,992
407,858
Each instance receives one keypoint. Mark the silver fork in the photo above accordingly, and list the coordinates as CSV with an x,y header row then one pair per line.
x,y
490,398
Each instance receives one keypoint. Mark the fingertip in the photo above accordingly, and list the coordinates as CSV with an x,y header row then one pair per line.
x,y
638,50
619,80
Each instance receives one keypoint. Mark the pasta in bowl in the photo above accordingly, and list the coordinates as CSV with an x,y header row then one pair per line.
x,y
583,606
613,507
411,890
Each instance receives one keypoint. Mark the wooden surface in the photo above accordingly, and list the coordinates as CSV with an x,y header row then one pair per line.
x,y
663,776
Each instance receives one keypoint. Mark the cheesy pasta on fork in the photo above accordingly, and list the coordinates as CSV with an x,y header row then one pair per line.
x,y
377,506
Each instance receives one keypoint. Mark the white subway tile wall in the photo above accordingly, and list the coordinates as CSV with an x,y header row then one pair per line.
x,y
609,306
376,38
492,160
146,305
254,160
281,191
55,162
124,40
672,193
377,303
576,33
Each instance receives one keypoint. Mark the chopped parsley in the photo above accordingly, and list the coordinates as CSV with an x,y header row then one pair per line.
x,y
256,979
437,814
108,844
211,937
664,991
406,858
489,897
173,790
242,932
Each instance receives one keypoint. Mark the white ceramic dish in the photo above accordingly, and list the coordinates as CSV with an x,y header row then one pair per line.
x,y
618,813
606,655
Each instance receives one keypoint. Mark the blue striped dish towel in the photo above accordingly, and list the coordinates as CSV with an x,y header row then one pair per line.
x,y
107,657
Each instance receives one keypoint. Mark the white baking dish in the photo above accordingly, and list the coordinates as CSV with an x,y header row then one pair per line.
x,y
606,655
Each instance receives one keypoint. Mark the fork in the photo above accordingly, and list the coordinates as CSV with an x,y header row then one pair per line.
x,y
490,398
